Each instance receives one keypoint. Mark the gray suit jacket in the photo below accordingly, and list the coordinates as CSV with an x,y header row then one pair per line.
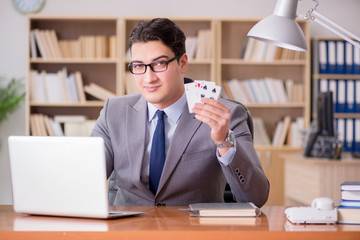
x,y
191,172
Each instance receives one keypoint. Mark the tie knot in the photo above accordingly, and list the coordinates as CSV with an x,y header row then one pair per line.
x,y
160,114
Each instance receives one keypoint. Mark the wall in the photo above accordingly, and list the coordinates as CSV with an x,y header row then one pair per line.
x,y
13,29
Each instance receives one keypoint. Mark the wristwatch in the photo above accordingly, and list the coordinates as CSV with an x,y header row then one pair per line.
x,y
229,140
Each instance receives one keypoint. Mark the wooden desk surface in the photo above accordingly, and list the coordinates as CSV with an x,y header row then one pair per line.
x,y
167,223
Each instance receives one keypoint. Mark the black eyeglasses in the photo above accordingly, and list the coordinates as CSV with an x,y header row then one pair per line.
x,y
157,66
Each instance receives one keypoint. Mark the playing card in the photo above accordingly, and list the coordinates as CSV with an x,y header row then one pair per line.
x,y
198,89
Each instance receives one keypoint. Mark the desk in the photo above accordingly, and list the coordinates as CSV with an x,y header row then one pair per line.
x,y
308,178
168,223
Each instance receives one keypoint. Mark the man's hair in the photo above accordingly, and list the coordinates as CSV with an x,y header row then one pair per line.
x,y
159,29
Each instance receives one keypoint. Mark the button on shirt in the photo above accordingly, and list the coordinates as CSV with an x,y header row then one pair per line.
x,y
171,119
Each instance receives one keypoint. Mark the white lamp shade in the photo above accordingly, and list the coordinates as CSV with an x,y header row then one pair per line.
x,y
281,31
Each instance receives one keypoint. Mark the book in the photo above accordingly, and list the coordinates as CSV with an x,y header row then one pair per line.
x,y
80,86
69,118
261,138
349,203
239,209
348,215
277,133
98,91
350,186
79,128
284,131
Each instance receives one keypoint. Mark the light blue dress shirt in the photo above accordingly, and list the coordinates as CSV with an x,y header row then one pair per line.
x,y
171,119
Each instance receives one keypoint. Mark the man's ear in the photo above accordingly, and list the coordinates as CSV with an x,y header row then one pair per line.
x,y
183,61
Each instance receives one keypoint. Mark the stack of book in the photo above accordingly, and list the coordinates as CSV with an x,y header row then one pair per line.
x,y
60,125
349,209
255,50
44,43
62,87
265,90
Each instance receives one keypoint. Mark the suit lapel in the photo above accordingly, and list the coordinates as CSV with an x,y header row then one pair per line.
x,y
136,117
185,130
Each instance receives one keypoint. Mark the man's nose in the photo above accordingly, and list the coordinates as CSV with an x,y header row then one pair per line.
x,y
149,75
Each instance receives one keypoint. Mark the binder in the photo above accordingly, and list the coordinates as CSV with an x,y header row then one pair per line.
x,y
332,57
356,67
334,90
357,134
349,58
341,99
350,96
340,129
340,57
323,57
323,85
357,96
349,135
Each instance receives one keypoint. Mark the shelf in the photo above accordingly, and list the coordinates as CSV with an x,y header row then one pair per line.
x,y
86,104
237,61
276,105
76,61
336,76
347,115
284,148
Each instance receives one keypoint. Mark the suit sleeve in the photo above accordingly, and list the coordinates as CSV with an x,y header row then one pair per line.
x,y
244,174
101,130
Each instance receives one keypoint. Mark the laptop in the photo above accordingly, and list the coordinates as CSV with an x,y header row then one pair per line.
x,y
60,176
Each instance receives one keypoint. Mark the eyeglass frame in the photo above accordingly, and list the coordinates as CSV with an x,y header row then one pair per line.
x,y
151,67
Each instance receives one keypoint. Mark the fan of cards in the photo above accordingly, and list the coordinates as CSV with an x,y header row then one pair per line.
x,y
198,89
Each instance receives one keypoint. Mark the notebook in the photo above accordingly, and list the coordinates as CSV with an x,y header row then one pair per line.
x,y
238,209
60,176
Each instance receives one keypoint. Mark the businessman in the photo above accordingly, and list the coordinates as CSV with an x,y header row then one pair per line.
x,y
159,152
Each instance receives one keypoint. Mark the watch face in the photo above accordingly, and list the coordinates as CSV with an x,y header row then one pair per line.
x,y
28,6
231,136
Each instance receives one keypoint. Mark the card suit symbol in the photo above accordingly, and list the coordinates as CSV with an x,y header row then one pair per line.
x,y
202,95
214,90
205,87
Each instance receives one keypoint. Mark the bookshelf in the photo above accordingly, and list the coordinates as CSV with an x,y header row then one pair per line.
x,y
201,65
232,39
94,64
234,63
336,68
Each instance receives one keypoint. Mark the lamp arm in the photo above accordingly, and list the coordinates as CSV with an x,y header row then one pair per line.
x,y
312,14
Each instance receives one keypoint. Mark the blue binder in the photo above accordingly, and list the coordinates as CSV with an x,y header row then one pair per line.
x,y
331,57
323,57
341,96
349,143
350,96
349,58
357,96
356,67
357,135
340,57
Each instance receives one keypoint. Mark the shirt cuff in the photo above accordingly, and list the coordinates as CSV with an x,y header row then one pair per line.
x,y
228,156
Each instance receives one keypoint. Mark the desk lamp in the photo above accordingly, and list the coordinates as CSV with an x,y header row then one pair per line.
x,y
282,30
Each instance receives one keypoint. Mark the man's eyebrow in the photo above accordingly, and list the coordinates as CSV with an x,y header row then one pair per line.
x,y
153,60
162,56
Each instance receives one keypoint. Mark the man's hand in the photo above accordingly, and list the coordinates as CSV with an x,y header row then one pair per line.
x,y
217,116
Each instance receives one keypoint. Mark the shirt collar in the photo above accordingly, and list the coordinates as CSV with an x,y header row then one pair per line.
x,y
173,112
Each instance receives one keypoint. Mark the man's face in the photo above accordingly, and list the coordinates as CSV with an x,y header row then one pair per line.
x,y
159,88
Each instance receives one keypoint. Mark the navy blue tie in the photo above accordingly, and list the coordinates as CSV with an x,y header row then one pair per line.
x,y
157,154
